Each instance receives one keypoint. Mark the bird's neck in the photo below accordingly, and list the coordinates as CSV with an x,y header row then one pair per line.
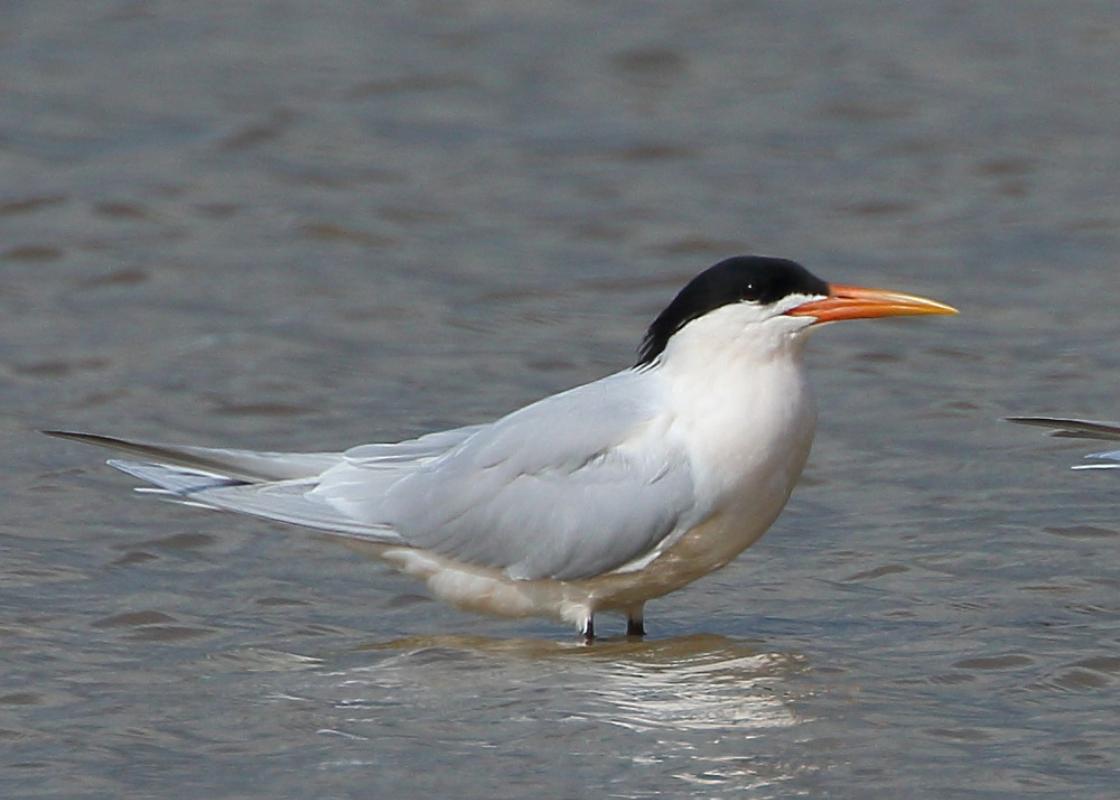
x,y
762,396
748,417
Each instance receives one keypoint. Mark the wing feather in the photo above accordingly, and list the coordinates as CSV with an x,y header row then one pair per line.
x,y
1081,429
282,501
430,445
1073,428
1111,460
249,465
573,486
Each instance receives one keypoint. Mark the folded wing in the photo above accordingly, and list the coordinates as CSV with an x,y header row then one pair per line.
x,y
576,485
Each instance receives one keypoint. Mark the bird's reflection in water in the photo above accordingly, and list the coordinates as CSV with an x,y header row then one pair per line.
x,y
697,682
701,710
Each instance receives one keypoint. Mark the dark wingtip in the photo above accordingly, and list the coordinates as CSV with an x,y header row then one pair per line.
x,y
89,438
1065,428
1040,421
72,435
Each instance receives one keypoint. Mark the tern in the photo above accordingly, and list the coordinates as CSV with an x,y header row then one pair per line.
x,y
1066,428
595,499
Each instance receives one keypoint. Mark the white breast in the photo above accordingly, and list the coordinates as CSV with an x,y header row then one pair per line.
x,y
748,435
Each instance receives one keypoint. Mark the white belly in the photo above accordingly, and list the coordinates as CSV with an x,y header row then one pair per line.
x,y
705,548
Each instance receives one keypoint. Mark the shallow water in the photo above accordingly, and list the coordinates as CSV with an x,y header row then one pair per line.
x,y
256,224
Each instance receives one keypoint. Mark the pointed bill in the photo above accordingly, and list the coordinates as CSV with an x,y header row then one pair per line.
x,y
858,302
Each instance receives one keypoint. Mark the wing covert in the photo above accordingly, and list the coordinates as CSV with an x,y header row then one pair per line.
x,y
573,486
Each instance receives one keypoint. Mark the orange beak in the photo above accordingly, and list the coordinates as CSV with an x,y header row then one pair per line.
x,y
857,302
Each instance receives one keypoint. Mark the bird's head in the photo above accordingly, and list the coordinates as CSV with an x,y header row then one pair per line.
x,y
764,305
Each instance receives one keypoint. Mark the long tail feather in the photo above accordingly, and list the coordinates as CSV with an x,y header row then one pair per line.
x,y
275,486
244,465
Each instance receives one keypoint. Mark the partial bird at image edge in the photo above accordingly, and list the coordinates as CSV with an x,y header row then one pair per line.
x,y
1071,428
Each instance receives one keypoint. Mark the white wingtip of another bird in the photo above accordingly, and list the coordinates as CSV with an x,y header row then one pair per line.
x,y
1112,457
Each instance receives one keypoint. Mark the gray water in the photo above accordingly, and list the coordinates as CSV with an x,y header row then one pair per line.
x,y
303,226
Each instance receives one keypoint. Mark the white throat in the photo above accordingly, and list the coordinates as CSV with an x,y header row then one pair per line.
x,y
743,407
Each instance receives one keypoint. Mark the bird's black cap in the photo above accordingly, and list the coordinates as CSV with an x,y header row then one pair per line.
x,y
760,279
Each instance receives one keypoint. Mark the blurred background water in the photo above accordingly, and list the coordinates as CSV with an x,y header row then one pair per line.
x,y
301,226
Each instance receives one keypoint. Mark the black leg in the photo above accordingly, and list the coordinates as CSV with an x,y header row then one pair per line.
x,y
635,620
589,629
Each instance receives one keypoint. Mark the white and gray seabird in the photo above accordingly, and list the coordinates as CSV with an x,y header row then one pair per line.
x,y
1067,428
595,499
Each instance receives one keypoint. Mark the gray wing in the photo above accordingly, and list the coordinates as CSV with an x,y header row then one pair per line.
x,y
283,501
570,487
411,451
578,484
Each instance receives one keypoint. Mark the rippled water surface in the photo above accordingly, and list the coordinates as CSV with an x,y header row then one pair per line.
x,y
290,226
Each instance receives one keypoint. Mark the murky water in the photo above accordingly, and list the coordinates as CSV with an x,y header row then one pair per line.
x,y
283,226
